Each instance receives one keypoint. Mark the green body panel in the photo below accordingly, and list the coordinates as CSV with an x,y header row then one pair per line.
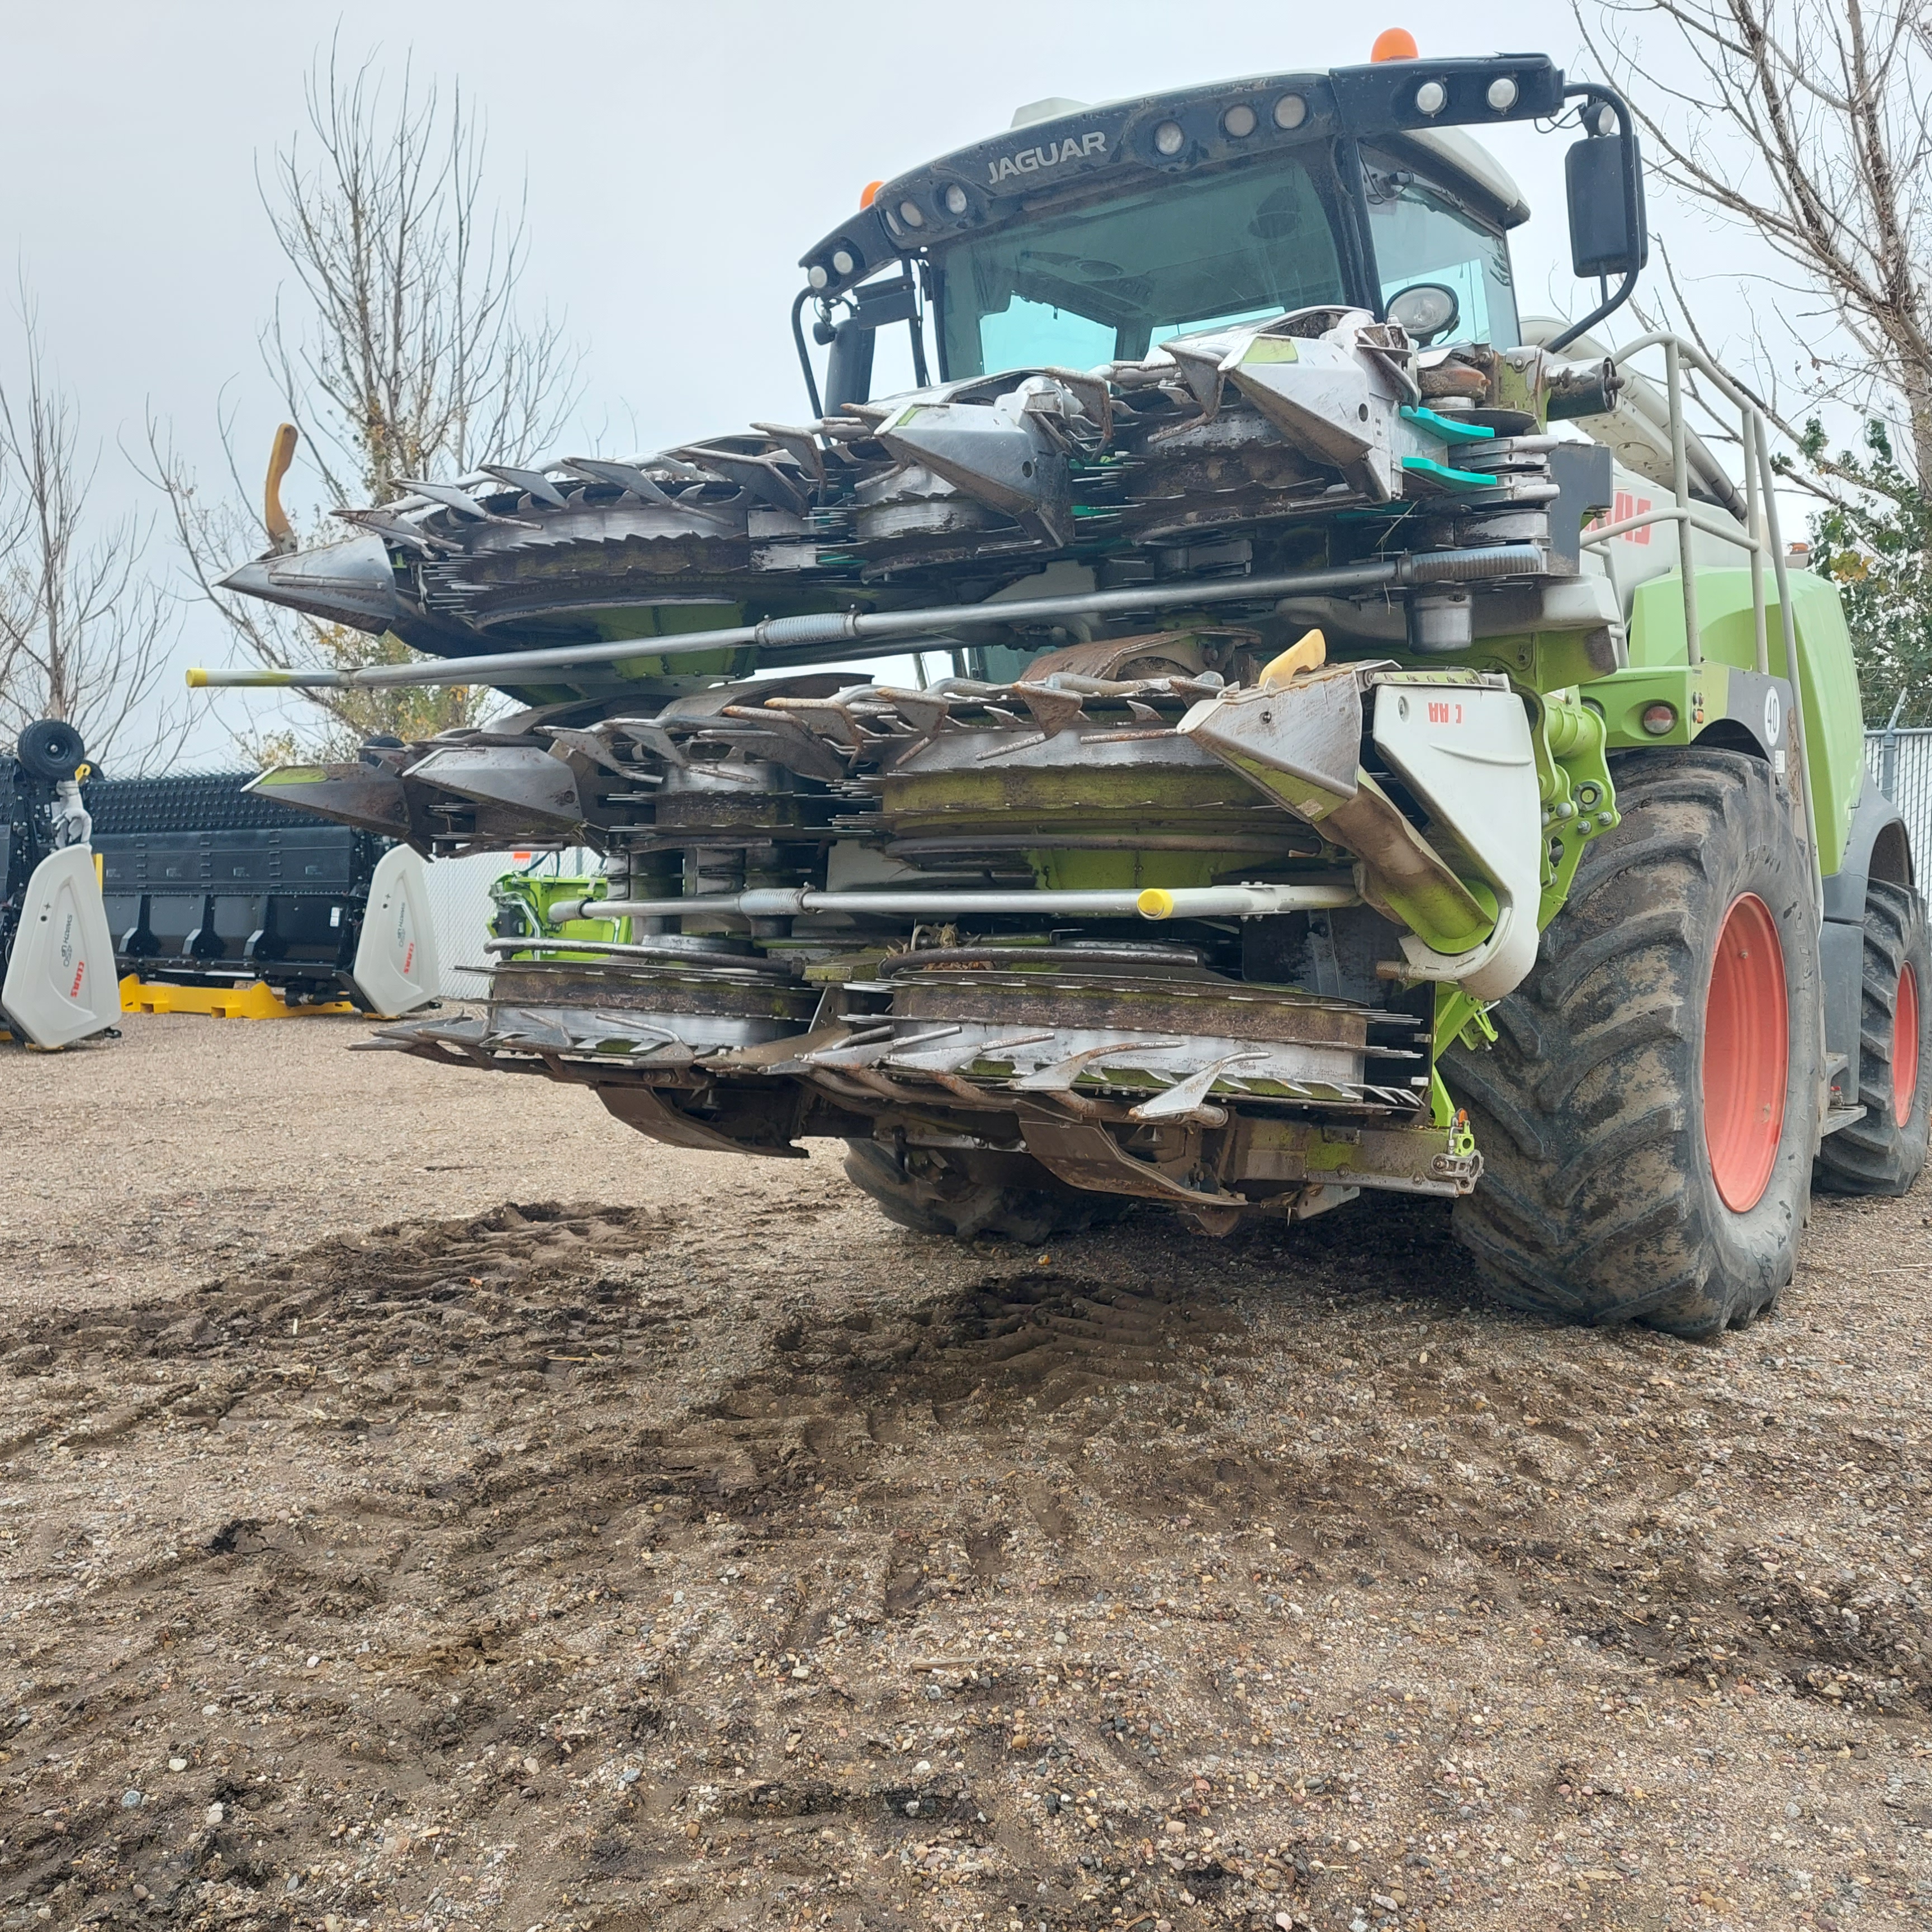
x,y
1573,782
1124,872
524,900
1699,697
1834,713
1540,660
1117,807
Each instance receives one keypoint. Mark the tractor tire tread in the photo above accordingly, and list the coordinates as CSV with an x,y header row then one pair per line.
x,y
1877,1154
1593,1207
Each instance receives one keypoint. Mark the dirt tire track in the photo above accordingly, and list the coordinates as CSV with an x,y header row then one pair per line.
x,y
748,1562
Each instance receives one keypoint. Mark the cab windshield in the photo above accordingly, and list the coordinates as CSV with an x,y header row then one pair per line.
x,y
1105,283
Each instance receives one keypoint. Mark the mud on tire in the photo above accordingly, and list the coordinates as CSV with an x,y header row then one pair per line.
x,y
1601,1198
1885,1152
936,1193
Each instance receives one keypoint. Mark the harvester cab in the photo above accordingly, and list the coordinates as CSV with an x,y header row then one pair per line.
x,y
1089,234
59,985
1357,738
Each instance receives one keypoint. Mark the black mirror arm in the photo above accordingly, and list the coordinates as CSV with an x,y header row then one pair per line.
x,y
1596,315
916,328
798,302
1592,93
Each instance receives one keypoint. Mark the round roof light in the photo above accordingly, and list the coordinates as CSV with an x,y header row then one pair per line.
x,y
1168,139
1431,98
843,261
912,214
956,200
1290,111
869,194
1393,44
1239,121
816,276
1502,93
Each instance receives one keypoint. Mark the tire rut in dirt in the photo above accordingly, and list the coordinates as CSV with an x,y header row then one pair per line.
x,y
1881,1153
1598,1202
837,1558
1007,1351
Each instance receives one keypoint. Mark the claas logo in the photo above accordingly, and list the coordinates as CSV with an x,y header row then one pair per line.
x,y
1627,504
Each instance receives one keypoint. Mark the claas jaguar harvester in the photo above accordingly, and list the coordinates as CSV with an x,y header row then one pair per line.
x,y
1262,722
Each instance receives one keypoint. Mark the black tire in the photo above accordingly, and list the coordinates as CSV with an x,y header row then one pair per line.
x,y
1881,1154
51,749
936,1193
1599,1201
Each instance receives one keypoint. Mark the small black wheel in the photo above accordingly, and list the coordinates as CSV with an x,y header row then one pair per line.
x,y
51,749
1647,1116
1884,1152
935,1192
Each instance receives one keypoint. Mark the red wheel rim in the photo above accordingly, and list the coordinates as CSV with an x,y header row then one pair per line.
x,y
1905,1046
1746,1044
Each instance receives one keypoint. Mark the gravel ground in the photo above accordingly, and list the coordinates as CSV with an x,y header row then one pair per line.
x,y
705,1553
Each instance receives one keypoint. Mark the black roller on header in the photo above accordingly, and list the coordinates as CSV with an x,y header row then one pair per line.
x,y
207,883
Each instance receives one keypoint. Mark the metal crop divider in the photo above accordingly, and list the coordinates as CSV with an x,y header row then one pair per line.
x,y
1759,535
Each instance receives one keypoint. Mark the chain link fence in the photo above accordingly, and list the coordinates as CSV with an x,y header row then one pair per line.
x,y
1901,762
459,905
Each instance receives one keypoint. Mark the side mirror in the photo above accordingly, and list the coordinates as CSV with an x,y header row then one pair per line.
x,y
848,373
1603,175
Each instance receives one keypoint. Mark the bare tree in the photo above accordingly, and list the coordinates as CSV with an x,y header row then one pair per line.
x,y
1807,124
85,634
399,350
411,355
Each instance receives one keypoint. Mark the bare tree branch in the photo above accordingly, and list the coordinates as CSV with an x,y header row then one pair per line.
x,y
84,634
400,350
1806,123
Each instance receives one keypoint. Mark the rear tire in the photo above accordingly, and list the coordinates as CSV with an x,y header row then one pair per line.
x,y
1885,1152
936,1193
1646,1118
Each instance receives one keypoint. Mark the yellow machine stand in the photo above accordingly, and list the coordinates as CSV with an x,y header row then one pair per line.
x,y
256,1001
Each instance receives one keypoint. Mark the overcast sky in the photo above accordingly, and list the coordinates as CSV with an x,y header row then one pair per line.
x,y
677,160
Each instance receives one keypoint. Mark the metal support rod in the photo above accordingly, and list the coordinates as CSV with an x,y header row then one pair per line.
x,y
1680,484
784,902
1887,754
1753,434
1788,624
1698,360
1678,352
798,302
1699,519
888,630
